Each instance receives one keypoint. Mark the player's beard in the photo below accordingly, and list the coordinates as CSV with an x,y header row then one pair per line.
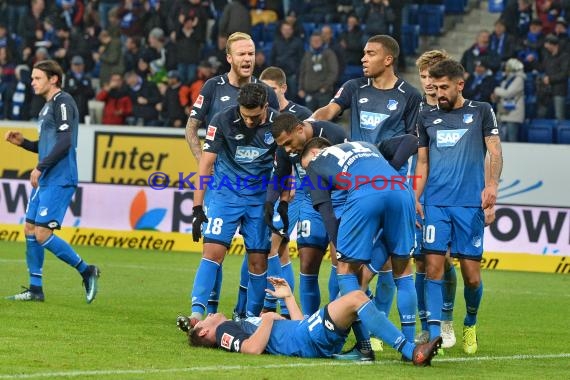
x,y
448,104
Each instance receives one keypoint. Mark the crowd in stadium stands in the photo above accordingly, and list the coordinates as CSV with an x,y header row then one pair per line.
x,y
147,59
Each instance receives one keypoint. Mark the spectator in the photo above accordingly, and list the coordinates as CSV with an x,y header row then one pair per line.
x,y
531,51
378,17
330,41
78,84
118,104
186,43
547,12
501,42
132,52
70,12
29,26
144,96
517,15
235,18
104,8
19,95
555,67
7,67
17,10
189,9
171,108
317,75
260,63
110,56
509,97
131,14
155,55
286,53
352,41
561,31
216,56
6,41
478,52
293,20
318,11
189,94
480,84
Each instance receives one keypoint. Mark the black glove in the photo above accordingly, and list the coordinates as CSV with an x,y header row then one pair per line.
x,y
198,217
268,217
283,211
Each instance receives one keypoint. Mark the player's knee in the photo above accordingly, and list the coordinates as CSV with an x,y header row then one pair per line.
x,y
473,282
42,234
29,229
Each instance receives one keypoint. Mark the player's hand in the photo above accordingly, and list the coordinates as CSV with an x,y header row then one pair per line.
x,y
282,288
488,196
489,215
420,212
271,315
14,137
35,177
198,217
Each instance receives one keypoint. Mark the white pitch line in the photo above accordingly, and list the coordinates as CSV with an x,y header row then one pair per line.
x,y
113,372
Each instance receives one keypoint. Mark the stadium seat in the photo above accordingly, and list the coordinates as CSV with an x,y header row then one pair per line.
x,y
455,7
547,123
411,14
337,28
257,34
309,28
410,39
523,132
563,132
351,72
496,6
540,134
267,51
269,32
431,22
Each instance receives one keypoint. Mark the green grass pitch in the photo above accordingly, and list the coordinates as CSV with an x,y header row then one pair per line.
x,y
129,331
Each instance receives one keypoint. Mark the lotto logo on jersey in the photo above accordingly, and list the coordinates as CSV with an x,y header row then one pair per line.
x,y
211,133
199,101
371,120
247,154
226,341
446,138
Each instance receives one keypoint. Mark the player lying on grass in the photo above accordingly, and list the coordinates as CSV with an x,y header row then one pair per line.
x,y
318,336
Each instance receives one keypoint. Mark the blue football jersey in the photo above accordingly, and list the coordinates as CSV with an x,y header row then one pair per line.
x,y
344,166
58,115
218,94
301,112
245,155
284,162
456,143
377,115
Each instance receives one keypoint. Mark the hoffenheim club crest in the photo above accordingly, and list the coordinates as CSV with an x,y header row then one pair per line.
x,y
392,105
468,118
268,139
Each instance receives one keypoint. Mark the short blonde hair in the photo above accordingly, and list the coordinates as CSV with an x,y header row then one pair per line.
x,y
237,36
430,58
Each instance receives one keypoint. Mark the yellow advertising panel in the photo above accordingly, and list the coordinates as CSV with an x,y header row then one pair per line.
x,y
17,162
130,159
176,241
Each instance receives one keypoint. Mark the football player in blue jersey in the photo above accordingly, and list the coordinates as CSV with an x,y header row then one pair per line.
x,y
454,139
239,148
377,199
423,63
54,181
278,262
320,335
382,106
291,134
217,94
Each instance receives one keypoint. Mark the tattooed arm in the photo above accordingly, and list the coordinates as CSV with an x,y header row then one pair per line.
x,y
489,194
192,137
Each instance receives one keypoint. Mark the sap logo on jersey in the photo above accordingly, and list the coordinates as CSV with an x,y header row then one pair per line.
x,y
248,153
371,120
447,138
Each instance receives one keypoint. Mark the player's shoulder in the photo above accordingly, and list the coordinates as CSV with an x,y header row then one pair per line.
x,y
406,88
63,97
476,105
357,83
298,110
218,80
